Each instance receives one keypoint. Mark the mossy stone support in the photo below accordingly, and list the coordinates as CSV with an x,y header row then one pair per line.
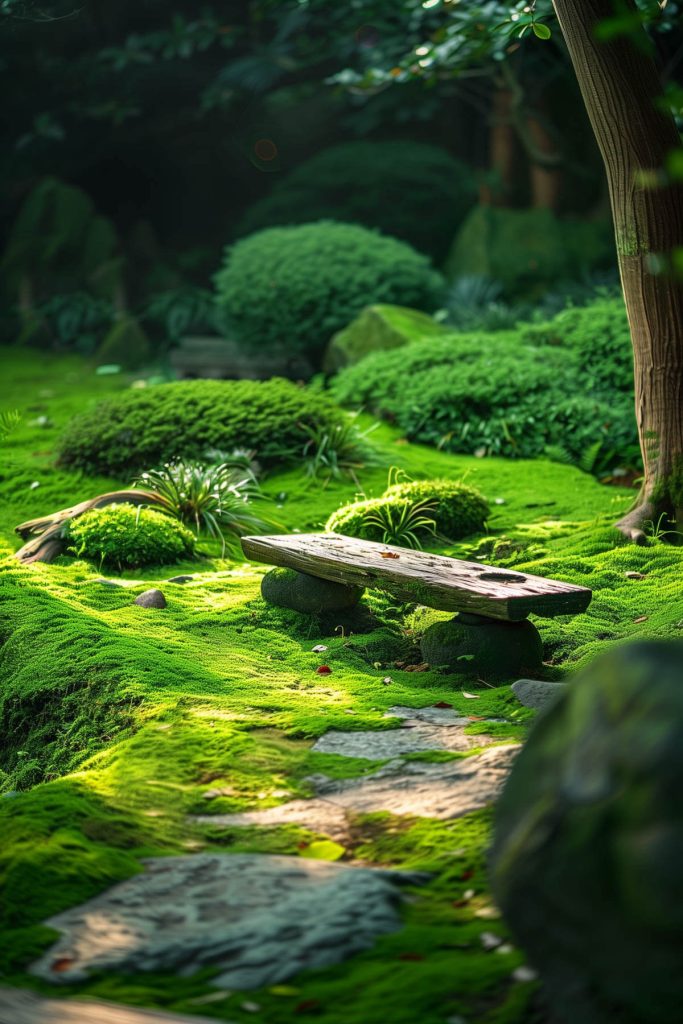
x,y
476,645
300,592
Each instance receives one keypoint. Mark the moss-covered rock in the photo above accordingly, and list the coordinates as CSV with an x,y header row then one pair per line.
x,y
455,509
303,593
527,250
126,344
483,647
586,862
377,329
125,536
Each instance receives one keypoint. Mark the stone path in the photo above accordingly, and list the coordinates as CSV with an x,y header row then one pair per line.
x,y
259,918
21,1007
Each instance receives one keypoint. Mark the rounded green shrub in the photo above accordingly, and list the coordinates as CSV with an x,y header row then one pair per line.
x,y
378,184
456,510
598,336
127,537
139,429
511,393
294,287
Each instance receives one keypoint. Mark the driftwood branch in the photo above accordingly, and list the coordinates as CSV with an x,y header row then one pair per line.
x,y
47,532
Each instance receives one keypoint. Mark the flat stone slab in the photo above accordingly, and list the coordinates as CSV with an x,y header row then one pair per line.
x,y
537,694
18,1006
259,918
423,729
420,789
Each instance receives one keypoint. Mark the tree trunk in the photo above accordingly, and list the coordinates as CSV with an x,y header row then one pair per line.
x,y
621,89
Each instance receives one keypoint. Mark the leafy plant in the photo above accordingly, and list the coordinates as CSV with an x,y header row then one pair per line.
x,y
77,320
128,537
657,531
339,450
9,421
212,499
180,311
402,524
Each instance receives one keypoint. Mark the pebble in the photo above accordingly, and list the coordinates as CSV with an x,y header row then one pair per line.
x,y
524,973
151,599
180,579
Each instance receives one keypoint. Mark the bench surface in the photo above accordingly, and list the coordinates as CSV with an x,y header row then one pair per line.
x,y
434,580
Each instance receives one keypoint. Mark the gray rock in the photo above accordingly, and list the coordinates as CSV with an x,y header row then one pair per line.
x,y
471,645
534,693
151,599
259,919
180,579
413,737
444,791
303,593
19,1006
109,583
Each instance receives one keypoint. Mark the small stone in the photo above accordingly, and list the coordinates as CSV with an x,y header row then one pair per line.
x,y
506,948
250,1007
490,941
634,575
108,583
524,973
180,579
319,648
537,694
151,599
499,501
32,486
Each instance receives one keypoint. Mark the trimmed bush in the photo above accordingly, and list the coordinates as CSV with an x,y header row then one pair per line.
x,y
508,393
127,537
140,429
456,510
378,184
292,288
598,335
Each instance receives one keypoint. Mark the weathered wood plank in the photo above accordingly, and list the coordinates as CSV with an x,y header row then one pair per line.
x,y
448,584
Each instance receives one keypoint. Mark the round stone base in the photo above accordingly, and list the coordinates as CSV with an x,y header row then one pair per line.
x,y
300,592
474,645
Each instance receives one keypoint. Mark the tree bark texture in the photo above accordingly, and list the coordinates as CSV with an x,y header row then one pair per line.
x,y
621,88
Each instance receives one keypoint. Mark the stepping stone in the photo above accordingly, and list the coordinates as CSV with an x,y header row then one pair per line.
x,y
259,919
18,1006
419,789
534,693
424,729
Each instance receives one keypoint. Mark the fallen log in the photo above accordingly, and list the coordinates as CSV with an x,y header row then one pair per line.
x,y
47,532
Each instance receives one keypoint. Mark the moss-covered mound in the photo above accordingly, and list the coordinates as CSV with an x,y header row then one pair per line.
x,y
511,393
139,429
129,537
454,509
310,594
589,833
292,288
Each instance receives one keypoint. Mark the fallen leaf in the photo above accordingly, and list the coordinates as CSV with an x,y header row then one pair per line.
x,y
387,680
308,1006
283,990
442,704
319,648
63,963
388,554
634,575
470,696
324,670
524,973
324,849
642,618
490,941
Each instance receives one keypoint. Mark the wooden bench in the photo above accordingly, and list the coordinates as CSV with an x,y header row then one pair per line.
x,y
483,595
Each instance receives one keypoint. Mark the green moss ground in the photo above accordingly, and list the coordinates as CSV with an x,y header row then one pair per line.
x,y
115,720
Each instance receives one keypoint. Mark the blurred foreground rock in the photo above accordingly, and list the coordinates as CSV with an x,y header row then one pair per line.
x,y
588,849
